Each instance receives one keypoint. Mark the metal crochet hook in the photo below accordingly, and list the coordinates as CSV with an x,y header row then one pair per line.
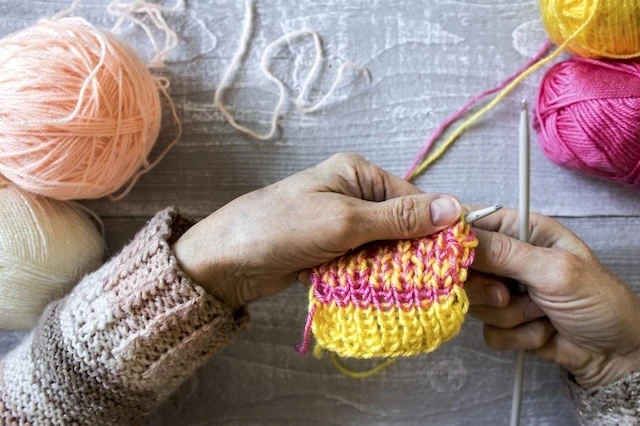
x,y
480,214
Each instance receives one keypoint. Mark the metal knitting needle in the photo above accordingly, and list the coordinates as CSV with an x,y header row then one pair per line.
x,y
480,214
523,235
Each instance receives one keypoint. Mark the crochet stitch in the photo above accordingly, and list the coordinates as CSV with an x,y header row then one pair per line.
x,y
392,299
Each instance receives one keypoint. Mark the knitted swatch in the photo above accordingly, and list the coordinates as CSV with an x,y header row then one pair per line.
x,y
391,299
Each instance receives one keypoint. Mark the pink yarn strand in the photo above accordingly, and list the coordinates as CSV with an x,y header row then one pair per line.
x,y
303,347
460,112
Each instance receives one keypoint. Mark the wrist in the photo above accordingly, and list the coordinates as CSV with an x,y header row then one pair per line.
x,y
198,260
603,370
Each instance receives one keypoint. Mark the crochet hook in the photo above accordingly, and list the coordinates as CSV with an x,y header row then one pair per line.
x,y
524,168
482,213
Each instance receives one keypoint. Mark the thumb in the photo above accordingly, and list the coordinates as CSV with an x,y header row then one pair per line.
x,y
412,216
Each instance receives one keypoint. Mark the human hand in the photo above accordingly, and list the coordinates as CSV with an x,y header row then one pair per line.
x,y
259,243
576,313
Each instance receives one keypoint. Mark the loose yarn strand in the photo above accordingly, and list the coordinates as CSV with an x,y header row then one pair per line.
x,y
501,95
264,67
68,11
306,335
452,118
127,10
218,101
335,360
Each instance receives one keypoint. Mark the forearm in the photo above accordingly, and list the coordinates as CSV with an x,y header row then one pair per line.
x,y
121,342
615,404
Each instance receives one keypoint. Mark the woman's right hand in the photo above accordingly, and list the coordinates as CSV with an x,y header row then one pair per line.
x,y
576,313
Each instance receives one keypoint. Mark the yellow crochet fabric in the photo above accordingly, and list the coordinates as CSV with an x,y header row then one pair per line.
x,y
392,299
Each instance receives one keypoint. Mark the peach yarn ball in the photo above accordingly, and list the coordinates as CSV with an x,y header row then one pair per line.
x,y
79,110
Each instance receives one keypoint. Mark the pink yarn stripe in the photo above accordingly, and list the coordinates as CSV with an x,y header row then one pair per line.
x,y
306,336
445,124
382,299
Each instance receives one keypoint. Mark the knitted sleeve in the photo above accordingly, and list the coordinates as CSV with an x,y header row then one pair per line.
x,y
615,404
119,343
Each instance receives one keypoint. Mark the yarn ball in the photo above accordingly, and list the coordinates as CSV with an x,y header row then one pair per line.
x,y
588,118
392,299
80,111
46,247
612,26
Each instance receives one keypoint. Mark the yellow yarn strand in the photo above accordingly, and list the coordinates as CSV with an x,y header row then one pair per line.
x,y
499,97
360,374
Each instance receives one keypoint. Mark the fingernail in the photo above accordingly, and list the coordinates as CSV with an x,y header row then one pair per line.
x,y
492,296
445,211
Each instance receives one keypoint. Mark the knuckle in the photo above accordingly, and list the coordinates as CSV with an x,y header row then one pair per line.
x,y
406,216
538,337
567,268
501,249
346,217
493,339
348,158
380,178
538,220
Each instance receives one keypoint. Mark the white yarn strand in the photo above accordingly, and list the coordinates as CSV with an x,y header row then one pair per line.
x,y
264,67
126,10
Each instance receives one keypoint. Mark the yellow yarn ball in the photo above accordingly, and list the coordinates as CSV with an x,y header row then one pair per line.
x,y
600,28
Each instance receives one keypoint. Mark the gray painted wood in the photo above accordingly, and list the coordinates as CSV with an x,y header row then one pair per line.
x,y
426,57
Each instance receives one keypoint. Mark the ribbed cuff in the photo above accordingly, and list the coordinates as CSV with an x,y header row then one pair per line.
x,y
615,404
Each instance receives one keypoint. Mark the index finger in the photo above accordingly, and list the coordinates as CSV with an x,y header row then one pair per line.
x,y
501,255
543,230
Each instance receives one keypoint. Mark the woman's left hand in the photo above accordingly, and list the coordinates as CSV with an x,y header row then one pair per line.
x,y
259,243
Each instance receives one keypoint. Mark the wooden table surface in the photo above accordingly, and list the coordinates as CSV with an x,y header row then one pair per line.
x,y
425,59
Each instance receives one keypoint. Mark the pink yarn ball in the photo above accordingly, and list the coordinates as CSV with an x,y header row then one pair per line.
x,y
588,118
79,110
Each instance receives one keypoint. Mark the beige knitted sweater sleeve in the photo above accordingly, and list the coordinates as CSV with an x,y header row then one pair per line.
x,y
119,343
131,332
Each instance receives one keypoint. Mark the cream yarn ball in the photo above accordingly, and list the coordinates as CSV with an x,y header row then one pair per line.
x,y
46,247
